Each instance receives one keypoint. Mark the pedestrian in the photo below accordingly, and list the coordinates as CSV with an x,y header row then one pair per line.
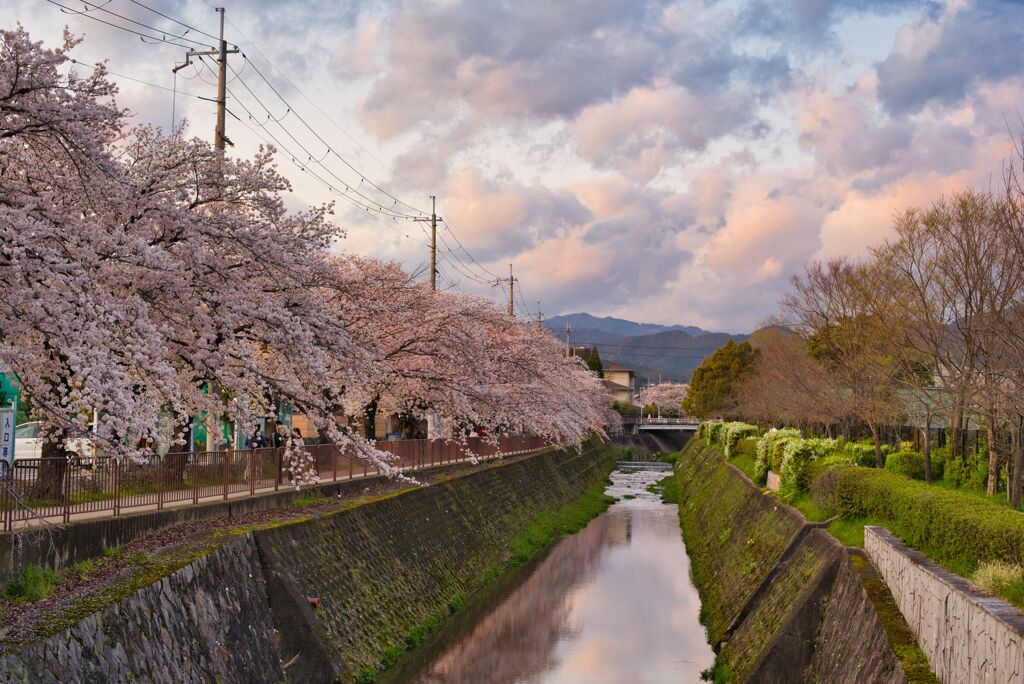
x,y
257,440
279,434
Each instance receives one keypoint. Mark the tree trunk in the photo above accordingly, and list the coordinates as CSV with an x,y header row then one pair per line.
x,y
926,448
1018,463
993,458
370,420
955,421
52,471
878,444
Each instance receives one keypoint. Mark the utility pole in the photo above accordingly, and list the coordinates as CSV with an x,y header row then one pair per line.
x,y
540,317
511,291
569,351
433,241
221,53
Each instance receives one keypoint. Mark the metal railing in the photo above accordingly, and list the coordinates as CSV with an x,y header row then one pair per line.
x,y
57,489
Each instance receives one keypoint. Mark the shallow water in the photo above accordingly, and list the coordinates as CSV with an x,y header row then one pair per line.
x,y
611,604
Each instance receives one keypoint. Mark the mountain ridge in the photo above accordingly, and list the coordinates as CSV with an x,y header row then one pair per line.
x,y
658,352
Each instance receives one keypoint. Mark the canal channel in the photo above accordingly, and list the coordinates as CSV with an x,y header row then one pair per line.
x,y
613,603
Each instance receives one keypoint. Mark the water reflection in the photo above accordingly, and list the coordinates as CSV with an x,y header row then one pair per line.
x,y
613,603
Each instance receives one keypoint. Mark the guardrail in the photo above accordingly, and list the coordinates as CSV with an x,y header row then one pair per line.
x,y
57,489
654,420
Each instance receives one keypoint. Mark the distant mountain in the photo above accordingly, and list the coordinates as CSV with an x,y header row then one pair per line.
x,y
615,326
653,351
672,355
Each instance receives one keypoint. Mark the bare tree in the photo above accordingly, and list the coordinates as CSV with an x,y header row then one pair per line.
x,y
828,308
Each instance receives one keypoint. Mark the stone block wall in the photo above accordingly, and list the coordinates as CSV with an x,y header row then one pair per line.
x,y
967,636
207,622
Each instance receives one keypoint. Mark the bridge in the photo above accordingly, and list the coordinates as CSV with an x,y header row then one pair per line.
x,y
634,424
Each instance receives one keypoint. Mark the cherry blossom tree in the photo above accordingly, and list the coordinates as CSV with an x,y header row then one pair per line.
x,y
668,396
145,275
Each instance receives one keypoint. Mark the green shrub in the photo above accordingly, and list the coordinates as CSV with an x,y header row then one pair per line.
x,y
906,463
861,453
33,584
953,528
712,430
766,449
731,433
939,457
833,459
968,472
795,473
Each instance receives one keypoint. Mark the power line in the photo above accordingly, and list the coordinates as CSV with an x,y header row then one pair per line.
x,y
143,36
139,80
313,103
177,21
307,170
331,150
277,120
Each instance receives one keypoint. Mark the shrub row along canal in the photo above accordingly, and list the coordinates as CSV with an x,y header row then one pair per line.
x,y
613,603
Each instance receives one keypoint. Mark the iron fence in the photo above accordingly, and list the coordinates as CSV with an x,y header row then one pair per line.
x,y
58,489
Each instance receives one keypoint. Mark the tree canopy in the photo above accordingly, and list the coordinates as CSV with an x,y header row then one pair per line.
x,y
712,389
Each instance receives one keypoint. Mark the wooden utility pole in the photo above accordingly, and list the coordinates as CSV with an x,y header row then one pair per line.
x,y
433,240
568,340
221,53
511,292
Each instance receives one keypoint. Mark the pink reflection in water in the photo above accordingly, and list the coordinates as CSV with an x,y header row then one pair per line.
x,y
612,604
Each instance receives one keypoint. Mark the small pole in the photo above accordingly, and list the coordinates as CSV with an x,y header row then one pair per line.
x,y
433,242
511,291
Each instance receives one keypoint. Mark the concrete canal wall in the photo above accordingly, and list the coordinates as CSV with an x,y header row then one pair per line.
x,y
319,600
781,599
968,637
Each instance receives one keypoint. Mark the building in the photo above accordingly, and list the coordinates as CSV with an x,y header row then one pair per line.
x,y
620,381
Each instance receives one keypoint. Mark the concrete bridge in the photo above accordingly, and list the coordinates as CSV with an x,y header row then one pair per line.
x,y
634,424
643,465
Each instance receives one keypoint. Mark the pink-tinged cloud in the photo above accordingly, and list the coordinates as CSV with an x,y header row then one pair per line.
x,y
643,130
508,217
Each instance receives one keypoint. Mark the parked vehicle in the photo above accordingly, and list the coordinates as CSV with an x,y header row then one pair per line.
x,y
28,444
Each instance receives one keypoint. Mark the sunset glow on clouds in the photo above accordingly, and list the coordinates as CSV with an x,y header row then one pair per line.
x,y
671,162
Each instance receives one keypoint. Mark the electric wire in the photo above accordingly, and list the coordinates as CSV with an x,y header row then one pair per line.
x,y
308,171
178,21
161,39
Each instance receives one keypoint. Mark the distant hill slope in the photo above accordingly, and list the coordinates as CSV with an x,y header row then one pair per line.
x,y
668,352
615,326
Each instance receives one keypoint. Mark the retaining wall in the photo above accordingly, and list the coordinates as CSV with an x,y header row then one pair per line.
x,y
379,572
782,600
966,635
58,547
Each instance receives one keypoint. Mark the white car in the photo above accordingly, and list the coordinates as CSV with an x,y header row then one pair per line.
x,y
28,444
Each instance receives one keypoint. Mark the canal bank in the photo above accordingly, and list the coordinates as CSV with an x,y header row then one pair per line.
x,y
782,600
337,597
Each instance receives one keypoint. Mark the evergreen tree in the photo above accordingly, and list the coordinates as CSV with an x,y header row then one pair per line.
x,y
712,388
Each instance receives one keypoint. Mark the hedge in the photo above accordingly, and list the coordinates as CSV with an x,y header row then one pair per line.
x,y
766,450
731,433
708,430
798,455
955,529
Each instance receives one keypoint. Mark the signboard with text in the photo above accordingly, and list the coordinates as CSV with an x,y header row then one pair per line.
x,y
6,438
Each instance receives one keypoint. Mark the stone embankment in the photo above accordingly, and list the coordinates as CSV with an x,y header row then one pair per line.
x,y
321,600
782,600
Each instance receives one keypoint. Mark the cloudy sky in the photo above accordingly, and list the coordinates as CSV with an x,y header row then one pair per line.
x,y
672,162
